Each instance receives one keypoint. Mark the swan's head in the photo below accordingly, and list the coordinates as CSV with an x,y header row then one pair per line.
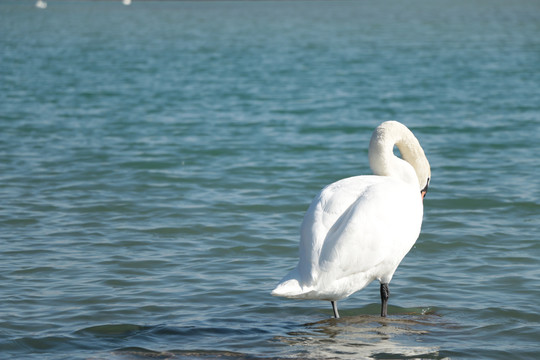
x,y
414,155
424,190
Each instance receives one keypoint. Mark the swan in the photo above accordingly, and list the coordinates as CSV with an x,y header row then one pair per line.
x,y
41,4
358,229
126,2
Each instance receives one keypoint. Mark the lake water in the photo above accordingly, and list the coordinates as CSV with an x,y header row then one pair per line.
x,y
156,161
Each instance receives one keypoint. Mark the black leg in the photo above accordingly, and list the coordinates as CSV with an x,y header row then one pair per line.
x,y
334,307
385,294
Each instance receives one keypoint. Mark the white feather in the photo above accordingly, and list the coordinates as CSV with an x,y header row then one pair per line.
x,y
360,228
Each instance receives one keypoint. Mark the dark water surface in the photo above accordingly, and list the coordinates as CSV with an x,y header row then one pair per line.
x,y
156,161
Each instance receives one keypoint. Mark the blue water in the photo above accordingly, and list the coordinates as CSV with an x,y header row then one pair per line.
x,y
156,161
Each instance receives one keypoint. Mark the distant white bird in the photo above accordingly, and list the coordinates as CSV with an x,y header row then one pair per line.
x,y
360,228
126,2
41,4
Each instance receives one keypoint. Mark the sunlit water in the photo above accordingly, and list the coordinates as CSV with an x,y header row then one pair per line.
x,y
156,161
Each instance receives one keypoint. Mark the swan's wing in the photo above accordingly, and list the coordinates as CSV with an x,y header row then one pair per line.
x,y
325,210
356,224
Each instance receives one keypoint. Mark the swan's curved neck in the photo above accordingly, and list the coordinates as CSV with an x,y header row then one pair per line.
x,y
413,168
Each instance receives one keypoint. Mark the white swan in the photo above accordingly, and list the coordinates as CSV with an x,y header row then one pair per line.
x,y
126,2
360,228
41,4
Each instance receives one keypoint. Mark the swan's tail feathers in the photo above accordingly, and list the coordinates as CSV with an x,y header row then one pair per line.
x,y
290,287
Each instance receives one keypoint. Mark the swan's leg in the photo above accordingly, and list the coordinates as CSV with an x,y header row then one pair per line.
x,y
334,307
385,294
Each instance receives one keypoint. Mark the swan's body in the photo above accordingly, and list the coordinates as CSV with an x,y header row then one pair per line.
x,y
126,2
360,228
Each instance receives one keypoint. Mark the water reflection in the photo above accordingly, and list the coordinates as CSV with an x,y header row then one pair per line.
x,y
365,337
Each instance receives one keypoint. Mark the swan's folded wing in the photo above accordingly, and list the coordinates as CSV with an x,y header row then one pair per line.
x,y
374,233
325,210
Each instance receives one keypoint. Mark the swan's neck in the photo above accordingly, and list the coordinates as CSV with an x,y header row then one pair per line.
x,y
413,168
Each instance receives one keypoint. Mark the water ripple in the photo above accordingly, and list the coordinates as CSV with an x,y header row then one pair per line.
x,y
156,162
